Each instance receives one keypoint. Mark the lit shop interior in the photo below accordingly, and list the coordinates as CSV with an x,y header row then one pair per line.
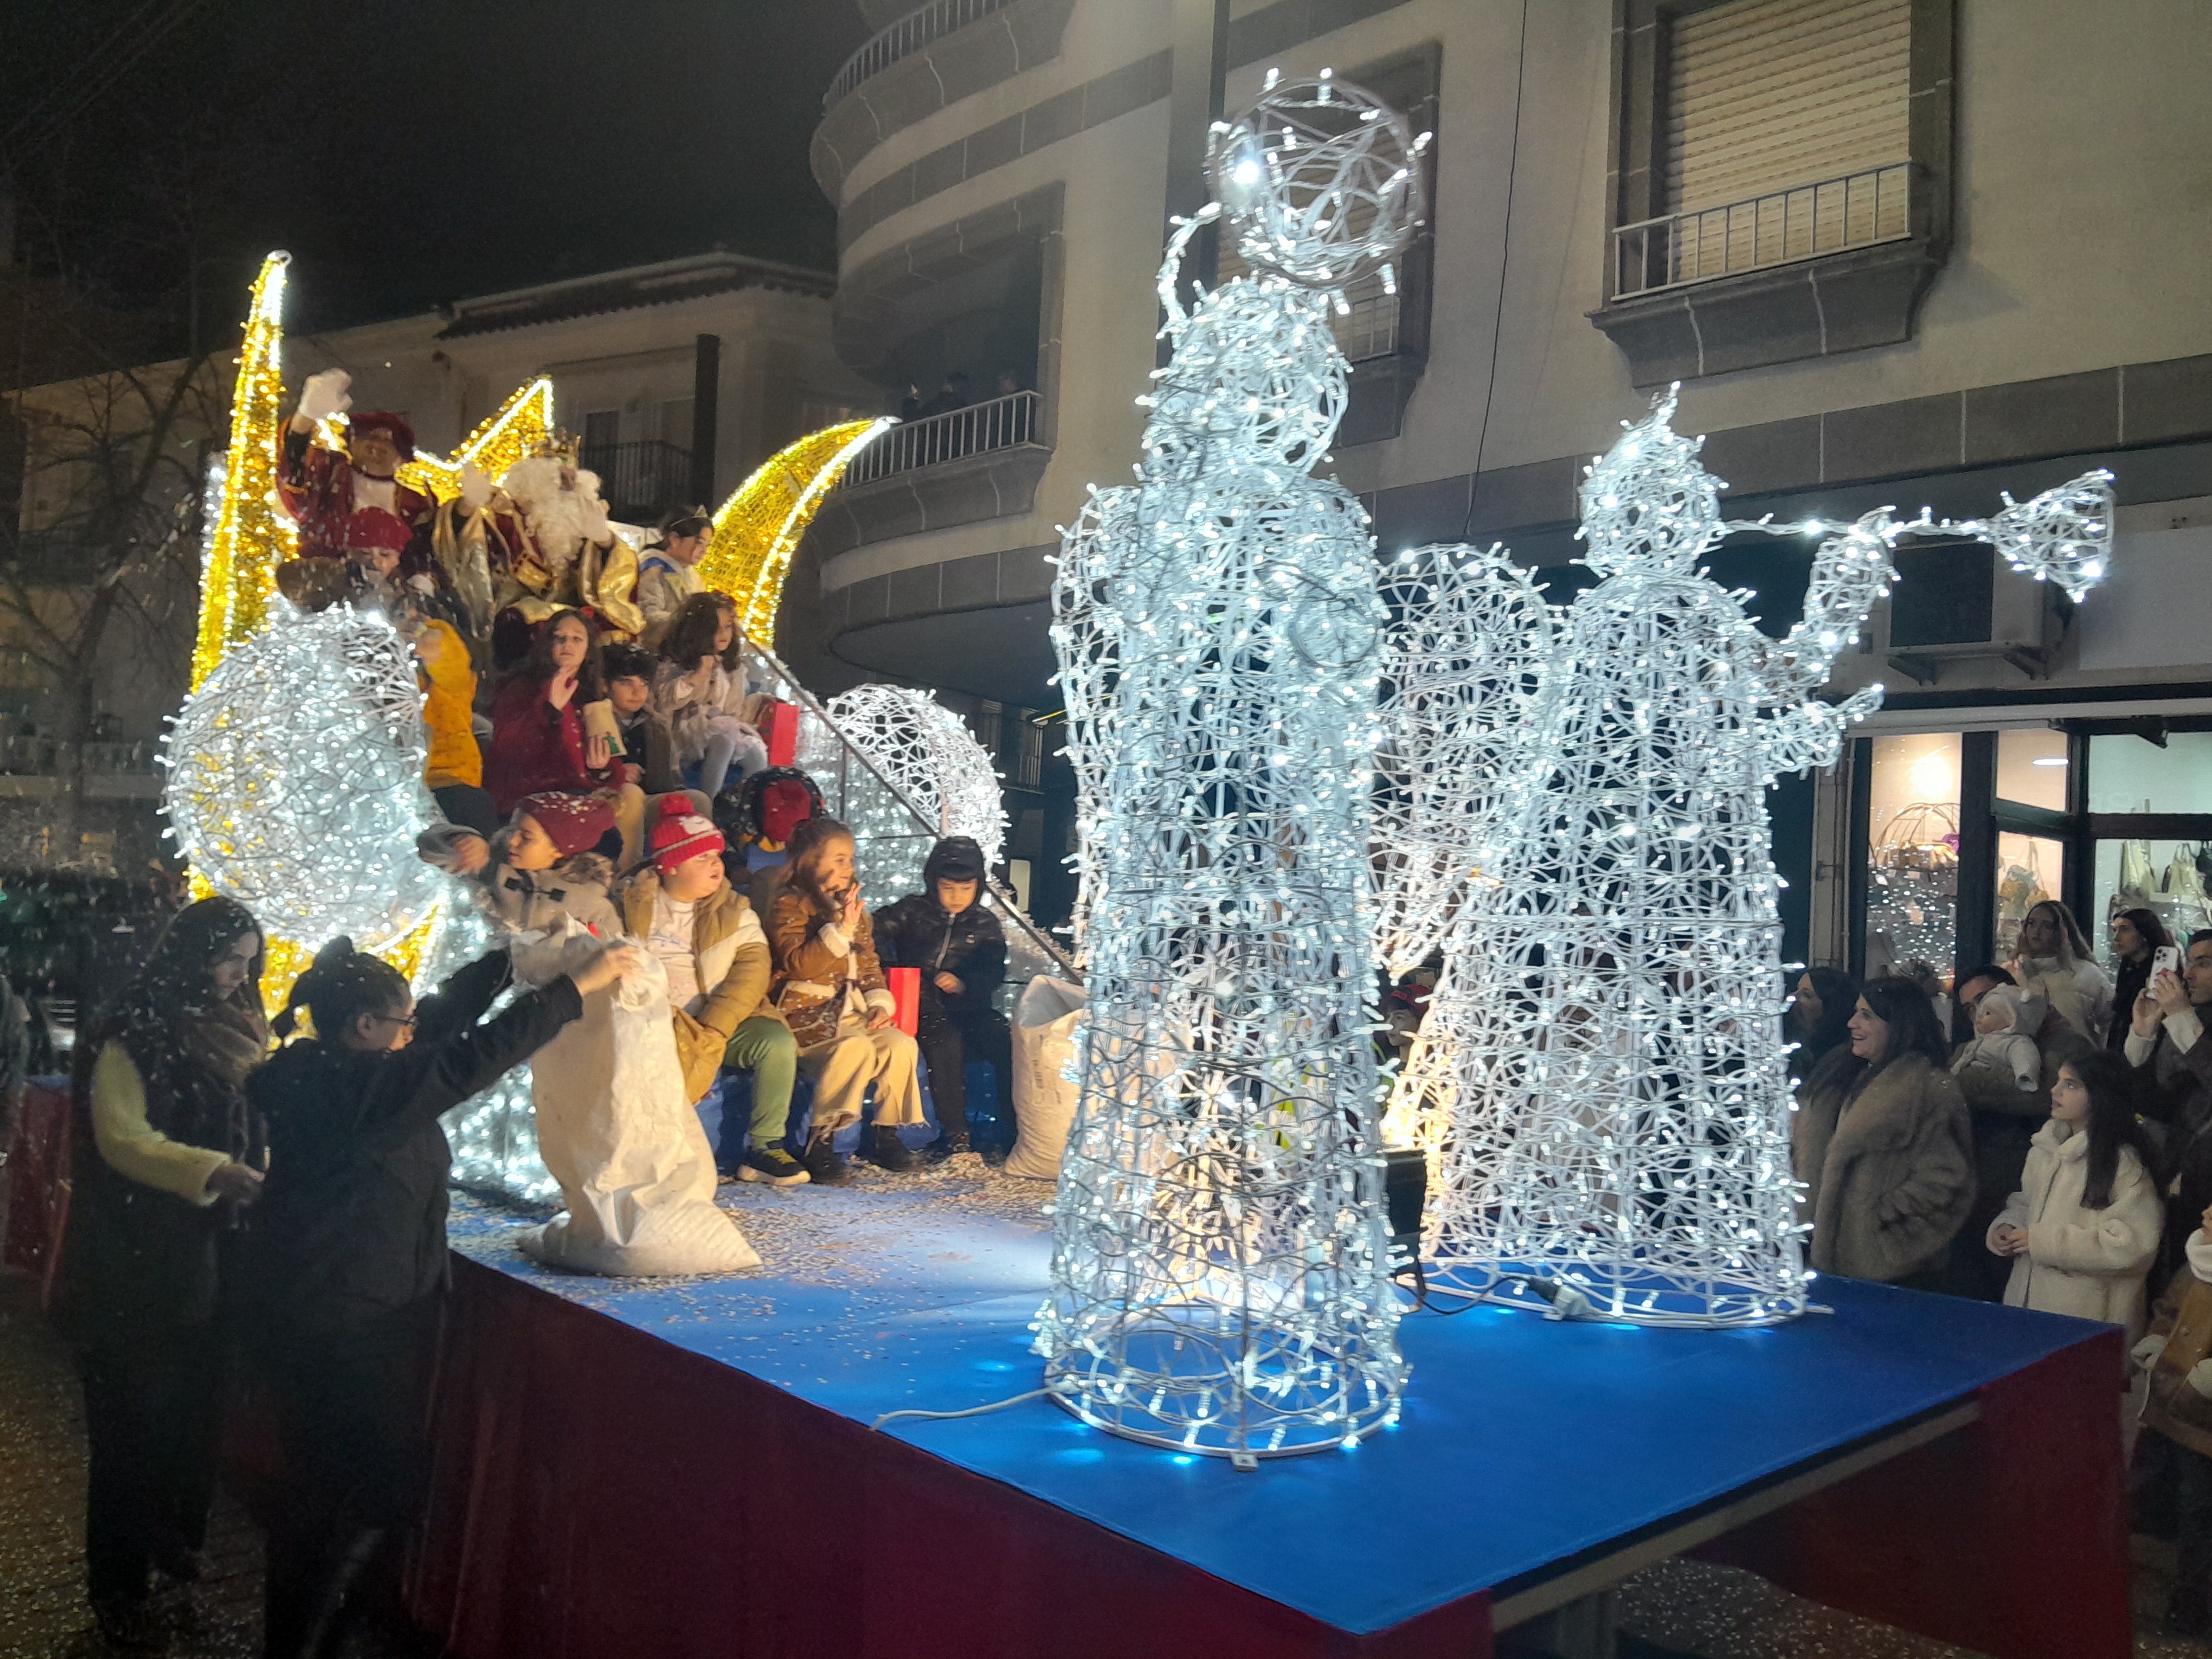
x,y
1956,833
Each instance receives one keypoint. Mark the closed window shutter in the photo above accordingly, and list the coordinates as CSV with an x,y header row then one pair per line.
x,y
1767,95
1785,133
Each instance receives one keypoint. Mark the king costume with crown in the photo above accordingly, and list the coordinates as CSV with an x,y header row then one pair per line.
x,y
537,542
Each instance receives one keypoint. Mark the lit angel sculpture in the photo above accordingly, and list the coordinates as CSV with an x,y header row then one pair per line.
x,y
1601,1081
1219,1278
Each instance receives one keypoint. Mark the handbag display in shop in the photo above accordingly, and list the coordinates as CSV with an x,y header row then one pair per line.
x,y
2178,896
1913,892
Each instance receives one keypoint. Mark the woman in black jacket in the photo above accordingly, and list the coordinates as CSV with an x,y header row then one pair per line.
x,y
347,1256
945,931
167,1156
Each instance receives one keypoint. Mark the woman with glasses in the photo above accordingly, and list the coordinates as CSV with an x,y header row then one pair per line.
x,y
347,1259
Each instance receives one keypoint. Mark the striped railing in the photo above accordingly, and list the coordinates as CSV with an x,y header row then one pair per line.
x,y
1859,209
904,38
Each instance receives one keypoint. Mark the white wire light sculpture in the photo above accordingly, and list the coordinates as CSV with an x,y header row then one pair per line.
x,y
1602,1079
927,752
1218,1279
295,778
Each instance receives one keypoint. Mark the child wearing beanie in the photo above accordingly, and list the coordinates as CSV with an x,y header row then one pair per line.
x,y
543,866
716,957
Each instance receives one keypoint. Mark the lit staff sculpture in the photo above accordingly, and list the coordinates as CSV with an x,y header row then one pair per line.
x,y
1602,1080
1218,1279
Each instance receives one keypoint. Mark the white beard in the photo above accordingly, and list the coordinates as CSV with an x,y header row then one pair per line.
x,y
555,515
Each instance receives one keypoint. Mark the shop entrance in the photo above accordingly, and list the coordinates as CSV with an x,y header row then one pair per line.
x,y
1957,834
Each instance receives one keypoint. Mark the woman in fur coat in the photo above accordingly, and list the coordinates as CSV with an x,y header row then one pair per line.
x,y
1897,1174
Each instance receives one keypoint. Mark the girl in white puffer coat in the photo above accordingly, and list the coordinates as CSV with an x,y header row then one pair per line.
x,y
2084,1227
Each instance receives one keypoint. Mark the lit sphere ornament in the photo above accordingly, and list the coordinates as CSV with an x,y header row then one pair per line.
x,y
1319,182
295,779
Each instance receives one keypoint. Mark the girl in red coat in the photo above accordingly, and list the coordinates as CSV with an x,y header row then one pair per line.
x,y
539,744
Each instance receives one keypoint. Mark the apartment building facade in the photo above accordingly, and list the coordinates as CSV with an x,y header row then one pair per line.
x,y
1909,251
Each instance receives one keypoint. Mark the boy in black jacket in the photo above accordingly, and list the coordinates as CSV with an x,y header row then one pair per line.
x,y
946,932
346,1260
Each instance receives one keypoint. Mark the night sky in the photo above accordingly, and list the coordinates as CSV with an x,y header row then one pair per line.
x,y
411,152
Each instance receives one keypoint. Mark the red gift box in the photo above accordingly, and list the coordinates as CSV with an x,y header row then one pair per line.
x,y
906,998
782,734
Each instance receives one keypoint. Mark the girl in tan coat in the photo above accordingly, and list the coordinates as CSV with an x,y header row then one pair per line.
x,y
2084,1227
829,987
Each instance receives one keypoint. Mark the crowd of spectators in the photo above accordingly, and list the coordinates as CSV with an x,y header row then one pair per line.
x,y
958,390
2057,1156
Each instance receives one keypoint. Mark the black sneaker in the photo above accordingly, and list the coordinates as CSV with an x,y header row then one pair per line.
x,y
179,1562
996,1155
824,1168
944,1148
774,1166
887,1152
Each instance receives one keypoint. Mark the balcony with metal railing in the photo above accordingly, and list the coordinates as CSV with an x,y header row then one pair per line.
x,y
1009,423
905,37
1834,216
639,480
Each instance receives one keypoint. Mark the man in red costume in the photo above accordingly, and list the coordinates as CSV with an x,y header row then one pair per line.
x,y
351,506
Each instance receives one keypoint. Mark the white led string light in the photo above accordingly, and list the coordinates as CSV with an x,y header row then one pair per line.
x,y
1601,1082
927,752
1219,1278
295,778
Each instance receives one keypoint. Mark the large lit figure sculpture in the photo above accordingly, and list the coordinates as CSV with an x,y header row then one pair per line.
x,y
1603,1081
1218,1279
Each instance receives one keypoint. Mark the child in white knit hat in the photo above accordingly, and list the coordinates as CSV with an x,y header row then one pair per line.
x,y
2005,1021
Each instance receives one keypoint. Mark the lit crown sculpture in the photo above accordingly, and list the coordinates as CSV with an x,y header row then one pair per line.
x,y
1580,802
1219,1278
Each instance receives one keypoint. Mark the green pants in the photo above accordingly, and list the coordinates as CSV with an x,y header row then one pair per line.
x,y
764,1048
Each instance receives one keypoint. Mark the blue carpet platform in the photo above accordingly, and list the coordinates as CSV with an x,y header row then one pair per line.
x,y
686,1468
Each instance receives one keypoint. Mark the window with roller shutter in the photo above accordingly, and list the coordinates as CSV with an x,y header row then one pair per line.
x,y
1782,175
1785,133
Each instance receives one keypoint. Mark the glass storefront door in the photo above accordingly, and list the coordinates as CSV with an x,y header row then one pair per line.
x,y
1962,832
1913,854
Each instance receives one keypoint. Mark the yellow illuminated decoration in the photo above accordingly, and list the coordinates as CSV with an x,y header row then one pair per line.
x,y
252,534
524,420
757,529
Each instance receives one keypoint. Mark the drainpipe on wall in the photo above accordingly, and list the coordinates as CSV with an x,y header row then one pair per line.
x,y
705,386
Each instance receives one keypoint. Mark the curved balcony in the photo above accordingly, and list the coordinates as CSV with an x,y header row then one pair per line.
x,y
903,38
926,61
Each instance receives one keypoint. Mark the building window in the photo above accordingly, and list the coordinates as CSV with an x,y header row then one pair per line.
x,y
1783,136
1781,179
602,428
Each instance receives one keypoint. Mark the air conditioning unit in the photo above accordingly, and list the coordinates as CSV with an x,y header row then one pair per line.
x,y
1957,601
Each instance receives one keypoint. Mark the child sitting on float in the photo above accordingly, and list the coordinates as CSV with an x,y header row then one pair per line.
x,y
541,865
